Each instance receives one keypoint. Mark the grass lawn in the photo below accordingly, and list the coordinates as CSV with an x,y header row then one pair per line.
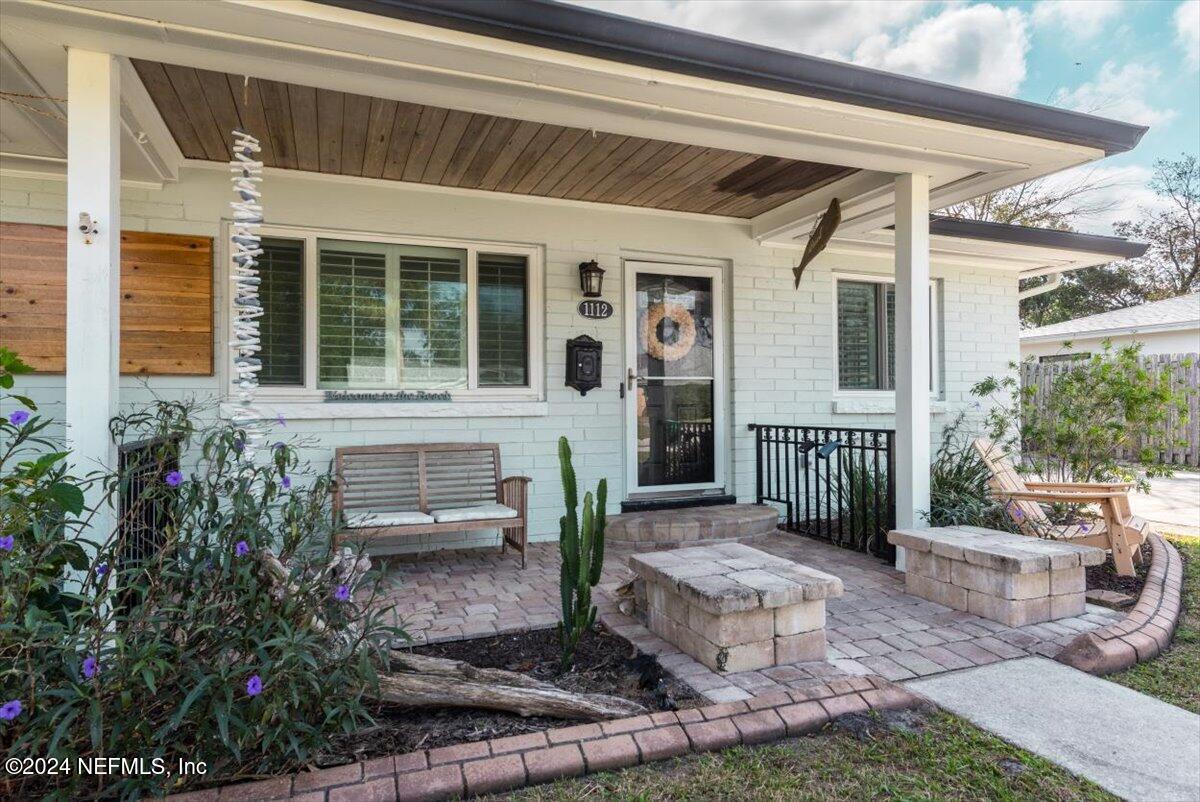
x,y
942,758
1174,676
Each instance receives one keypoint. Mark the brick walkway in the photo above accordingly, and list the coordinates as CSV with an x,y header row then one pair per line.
x,y
875,628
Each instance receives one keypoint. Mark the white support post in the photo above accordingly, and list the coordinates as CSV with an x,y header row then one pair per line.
x,y
93,266
912,353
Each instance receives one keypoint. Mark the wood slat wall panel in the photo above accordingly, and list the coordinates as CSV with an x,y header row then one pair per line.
x,y
166,299
339,133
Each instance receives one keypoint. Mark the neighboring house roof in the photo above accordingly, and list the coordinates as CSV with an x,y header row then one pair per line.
x,y
1169,315
1118,247
617,38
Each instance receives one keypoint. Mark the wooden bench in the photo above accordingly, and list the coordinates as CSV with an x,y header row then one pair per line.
x,y
428,489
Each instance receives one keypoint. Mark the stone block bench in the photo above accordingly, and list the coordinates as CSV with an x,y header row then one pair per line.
x,y
732,607
1011,579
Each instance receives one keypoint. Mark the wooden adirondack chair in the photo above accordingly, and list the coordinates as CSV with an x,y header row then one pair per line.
x,y
1118,531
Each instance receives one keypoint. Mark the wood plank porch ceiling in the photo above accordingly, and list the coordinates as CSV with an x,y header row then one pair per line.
x,y
318,130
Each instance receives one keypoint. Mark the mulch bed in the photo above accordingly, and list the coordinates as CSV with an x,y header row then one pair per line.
x,y
604,663
1104,576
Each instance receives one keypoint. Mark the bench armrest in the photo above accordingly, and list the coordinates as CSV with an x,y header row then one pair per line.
x,y
1106,487
514,492
1050,497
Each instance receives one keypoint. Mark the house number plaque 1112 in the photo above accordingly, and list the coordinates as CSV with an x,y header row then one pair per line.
x,y
595,310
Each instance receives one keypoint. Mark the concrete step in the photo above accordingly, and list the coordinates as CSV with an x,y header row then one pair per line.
x,y
692,526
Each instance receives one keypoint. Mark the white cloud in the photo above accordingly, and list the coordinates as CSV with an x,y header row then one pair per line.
x,y
1118,93
981,47
1187,30
831,28
1082,19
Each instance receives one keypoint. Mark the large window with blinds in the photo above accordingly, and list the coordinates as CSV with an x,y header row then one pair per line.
x,y
343,314
866,334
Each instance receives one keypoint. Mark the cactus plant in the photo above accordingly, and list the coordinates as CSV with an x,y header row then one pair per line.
x,y
581,542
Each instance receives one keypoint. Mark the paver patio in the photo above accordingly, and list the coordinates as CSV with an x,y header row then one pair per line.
x,y
874,628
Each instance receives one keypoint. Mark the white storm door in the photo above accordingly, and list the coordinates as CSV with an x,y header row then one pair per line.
x,y
674,378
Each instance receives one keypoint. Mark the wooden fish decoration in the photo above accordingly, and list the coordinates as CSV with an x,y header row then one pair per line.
x,y
821,234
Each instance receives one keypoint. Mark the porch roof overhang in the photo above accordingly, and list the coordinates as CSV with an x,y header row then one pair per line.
x,y
815,143
577,29
1025,250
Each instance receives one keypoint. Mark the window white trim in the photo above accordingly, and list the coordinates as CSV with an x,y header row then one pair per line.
x,y
935,343
309,399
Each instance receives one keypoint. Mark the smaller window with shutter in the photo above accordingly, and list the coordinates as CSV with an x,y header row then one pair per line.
x,y
866,335
281,328
503,320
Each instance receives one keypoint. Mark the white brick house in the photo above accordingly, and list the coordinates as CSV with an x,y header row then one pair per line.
x,y
722,178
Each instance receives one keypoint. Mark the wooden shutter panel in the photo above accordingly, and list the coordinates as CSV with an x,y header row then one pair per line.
x,y
166,300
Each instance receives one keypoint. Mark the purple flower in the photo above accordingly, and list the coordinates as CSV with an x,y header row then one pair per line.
x,y
1017,512
1084,527
91,666
287,482
10,709
174,479
6,543
342,593
254,685
242,548
239,445
18,418
101,569
279,445
280,419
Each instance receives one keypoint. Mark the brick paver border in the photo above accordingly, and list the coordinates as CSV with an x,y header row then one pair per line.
x,y
1145,631
504,764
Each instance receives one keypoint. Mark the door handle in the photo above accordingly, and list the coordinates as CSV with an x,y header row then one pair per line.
x,y
630,379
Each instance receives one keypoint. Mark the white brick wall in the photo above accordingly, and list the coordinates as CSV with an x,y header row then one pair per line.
x,y
781,363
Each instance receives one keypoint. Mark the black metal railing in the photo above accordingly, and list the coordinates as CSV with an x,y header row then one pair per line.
x,y
833,484
142,465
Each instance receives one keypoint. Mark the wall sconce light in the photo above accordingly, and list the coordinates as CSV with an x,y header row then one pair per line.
x,y
591,279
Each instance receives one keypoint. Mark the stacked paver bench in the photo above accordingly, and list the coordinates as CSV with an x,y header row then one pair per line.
x,y
734,608
1012,579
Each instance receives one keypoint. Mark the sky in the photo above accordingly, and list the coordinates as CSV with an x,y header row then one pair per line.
x,y
1133,60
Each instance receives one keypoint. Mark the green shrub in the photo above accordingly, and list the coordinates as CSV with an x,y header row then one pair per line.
x,y
958,491
1094,410
202,652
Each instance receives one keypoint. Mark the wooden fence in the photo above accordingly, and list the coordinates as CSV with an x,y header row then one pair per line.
x,y
1182,446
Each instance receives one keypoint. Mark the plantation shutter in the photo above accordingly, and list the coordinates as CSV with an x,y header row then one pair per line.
x,y
503,321
354,341
433,317
858,336
281,327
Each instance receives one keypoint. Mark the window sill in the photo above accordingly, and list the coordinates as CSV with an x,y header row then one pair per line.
x,y
876,405
316,410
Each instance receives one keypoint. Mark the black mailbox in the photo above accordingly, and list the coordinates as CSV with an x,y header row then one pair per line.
x,y
584,363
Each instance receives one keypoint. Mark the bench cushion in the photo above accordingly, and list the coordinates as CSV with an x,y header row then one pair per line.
x,y
360,520
483,512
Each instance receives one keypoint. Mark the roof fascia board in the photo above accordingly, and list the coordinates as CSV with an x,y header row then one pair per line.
x,y
336,49
627,40
1100,334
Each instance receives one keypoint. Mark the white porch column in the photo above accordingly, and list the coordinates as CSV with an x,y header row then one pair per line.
x,y
912,352
93,270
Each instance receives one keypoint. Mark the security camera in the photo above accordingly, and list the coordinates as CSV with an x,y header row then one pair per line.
x,y
87,227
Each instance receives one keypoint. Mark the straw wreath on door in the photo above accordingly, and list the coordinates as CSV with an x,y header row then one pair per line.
x,y
685,329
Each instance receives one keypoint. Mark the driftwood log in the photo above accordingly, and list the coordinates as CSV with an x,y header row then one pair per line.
x,y
421,681
436,682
